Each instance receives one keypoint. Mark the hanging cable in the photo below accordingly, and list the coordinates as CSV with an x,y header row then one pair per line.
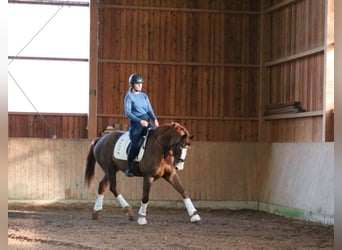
x,y
36,34
53,134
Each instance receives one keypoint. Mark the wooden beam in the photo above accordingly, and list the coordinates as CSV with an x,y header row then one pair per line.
x,y
261,89
101,60
295,56
151,8
92,118
295,115
328,80
46,113
48,58
40,2
279,6
212,118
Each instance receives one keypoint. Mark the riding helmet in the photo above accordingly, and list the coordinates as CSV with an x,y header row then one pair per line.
x,y
135,78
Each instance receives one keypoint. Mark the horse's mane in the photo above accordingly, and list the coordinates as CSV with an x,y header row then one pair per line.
x,y
174,126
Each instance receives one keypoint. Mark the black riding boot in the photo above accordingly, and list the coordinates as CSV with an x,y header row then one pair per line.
x,y
130,159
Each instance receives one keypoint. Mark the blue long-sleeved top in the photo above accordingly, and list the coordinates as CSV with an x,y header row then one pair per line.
x,y
138,107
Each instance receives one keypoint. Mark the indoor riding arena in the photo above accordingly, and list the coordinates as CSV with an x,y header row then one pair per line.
x,y
251,80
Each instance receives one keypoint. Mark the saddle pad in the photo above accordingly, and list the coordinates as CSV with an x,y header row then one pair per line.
x,y
120,148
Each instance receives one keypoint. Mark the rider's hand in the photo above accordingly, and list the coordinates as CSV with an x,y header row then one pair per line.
x,y
144,123
156,123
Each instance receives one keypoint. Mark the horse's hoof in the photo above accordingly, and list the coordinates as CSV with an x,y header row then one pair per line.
x,y
95,214
130,213
195,218
142,220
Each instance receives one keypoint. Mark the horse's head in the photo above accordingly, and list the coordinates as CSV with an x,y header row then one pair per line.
x,y
180,146
175,141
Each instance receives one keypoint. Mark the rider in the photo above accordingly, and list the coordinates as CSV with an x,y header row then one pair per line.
x,y
139,111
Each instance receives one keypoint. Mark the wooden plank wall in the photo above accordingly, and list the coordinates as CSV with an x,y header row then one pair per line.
x,y
211,65
42,169
46,125
47,169
294,69
225,173
199,60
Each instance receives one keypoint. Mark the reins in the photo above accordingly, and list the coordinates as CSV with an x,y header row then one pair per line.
x,y
173,146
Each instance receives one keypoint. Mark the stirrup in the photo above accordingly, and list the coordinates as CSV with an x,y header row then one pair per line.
x,y
129,172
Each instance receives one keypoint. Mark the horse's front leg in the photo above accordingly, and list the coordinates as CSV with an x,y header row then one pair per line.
x,y
174,180
144,201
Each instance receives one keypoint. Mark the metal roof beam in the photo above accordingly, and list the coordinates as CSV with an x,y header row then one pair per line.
x,y
51,2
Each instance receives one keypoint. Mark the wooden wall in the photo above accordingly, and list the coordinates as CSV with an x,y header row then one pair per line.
x,y
252,175
214,65
47,169
294,59
45,125
199,60
211,65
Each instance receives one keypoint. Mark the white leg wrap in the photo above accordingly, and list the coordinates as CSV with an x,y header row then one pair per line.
x,y
189,206
142,214
191,210
122,201
143,209
98,202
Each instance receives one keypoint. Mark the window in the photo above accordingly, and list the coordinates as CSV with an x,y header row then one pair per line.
x,y
48,49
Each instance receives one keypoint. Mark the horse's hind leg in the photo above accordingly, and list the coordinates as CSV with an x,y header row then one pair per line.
x,y
103,185
124,204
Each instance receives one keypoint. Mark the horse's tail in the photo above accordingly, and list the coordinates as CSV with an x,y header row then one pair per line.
x,y
90,164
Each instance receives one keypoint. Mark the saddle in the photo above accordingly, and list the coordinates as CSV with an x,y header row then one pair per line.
x,y
122,146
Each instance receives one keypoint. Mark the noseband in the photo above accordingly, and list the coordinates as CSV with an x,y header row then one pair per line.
x,y
173,147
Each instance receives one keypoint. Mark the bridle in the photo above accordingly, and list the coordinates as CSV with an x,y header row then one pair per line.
x,y
174,147
171,149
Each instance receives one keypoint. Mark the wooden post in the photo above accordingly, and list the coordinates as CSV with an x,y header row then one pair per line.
x,y
328,86
93,61
262,85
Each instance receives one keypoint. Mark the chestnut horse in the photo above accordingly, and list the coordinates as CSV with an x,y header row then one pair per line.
x,y
165,151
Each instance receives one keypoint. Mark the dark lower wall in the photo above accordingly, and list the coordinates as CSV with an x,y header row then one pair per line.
x,y
45,125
